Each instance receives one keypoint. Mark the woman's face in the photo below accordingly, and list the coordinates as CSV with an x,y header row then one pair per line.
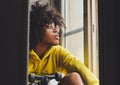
x,y
51,35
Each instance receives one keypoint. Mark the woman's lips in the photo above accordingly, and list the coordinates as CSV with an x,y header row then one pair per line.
x,y
57,36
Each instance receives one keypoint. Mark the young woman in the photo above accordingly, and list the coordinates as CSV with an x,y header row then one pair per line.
x,y
46,56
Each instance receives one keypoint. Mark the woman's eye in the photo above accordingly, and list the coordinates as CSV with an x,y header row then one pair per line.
x,y
50,27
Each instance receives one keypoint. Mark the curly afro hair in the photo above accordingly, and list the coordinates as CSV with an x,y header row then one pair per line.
x,y
40,15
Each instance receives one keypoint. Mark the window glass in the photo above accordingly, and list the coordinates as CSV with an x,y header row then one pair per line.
x,y
73,38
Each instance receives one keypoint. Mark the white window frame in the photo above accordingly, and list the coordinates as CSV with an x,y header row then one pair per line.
x,y
91,56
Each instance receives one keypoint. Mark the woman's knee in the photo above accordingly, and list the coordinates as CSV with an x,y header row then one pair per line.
x,y
73,78
73,75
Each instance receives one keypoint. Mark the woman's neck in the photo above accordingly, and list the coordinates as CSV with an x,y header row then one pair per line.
x,y
40,49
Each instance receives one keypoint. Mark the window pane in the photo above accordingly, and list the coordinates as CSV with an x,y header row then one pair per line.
x,y
73,14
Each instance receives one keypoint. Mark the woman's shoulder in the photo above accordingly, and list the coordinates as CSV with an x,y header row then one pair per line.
x,y
59,49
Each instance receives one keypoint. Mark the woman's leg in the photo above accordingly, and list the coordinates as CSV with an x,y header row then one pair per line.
x,y
72,79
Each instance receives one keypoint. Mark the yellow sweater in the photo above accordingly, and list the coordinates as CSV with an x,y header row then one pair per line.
x,y
58,59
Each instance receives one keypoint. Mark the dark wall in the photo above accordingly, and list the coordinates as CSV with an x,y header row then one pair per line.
x,y
109,42
13,42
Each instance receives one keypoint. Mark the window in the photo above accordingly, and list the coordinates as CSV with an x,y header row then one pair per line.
x,y
73,34
81,35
